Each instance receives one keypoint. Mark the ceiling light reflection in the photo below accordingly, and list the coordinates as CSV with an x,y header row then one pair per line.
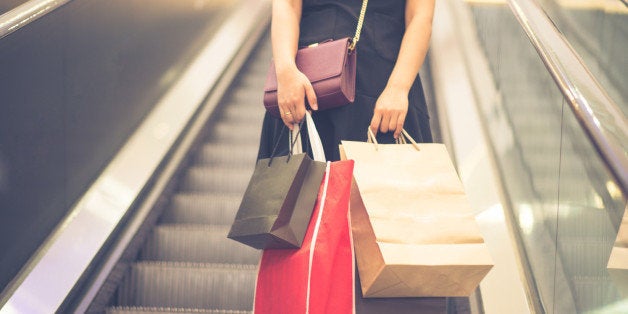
x,y
526,218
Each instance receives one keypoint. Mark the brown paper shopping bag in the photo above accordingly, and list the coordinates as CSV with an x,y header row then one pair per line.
x,y
618,261
414,230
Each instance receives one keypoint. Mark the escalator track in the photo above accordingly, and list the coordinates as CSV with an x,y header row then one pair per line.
x,y
187,264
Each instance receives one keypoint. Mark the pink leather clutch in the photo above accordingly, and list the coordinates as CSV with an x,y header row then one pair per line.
x,y
330,66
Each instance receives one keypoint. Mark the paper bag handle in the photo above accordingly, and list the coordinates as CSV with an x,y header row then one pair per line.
x,y
296,141
401,140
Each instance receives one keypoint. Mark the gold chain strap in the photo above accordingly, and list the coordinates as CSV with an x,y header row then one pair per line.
x,y
356,38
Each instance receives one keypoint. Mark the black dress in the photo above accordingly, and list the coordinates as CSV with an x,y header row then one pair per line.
x,y
377,52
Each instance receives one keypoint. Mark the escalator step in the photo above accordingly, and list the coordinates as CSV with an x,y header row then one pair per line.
x,y
592,293
241,133
547,185
189,285
584,224
247,96
205,208
226,154
215,179
148,310
548,160
585,256
236,114
255,79
198,244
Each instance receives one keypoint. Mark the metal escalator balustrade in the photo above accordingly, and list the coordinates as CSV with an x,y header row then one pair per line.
x,y
188,263
560,144
93,237
15,14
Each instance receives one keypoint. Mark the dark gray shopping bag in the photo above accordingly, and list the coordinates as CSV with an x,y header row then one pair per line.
x,y
279,200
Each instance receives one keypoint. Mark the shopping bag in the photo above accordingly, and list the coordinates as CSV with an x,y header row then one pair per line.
x,y
413,227
618,261
278,202
318,277
432,305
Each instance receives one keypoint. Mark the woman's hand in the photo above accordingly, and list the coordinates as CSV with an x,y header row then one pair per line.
x,y
292,88
392,105
390,111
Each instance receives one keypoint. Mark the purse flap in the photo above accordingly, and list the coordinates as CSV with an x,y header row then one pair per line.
x,y
317,63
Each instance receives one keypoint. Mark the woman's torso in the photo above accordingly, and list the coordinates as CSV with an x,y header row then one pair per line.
x,y
382,31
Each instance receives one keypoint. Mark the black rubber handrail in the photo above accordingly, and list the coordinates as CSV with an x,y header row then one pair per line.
x,y
601,118
26,13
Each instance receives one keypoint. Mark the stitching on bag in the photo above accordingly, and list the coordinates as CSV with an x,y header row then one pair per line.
x,y
315,235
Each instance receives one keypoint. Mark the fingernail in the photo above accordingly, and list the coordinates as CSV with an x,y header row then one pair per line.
x,y
314,107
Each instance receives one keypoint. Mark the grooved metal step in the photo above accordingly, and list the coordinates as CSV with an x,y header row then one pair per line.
x,y
215,179
187,264
225,154
239,116
248,96
205,208
197,243
591,222
241,133
209,286
148,310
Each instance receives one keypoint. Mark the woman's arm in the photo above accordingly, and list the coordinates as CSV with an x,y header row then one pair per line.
x,y
392,105
292,85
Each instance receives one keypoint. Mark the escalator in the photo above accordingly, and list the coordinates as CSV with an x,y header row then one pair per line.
x,y
177,258
187,263
566,206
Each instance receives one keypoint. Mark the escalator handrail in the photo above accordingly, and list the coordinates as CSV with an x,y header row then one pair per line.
x,y
600,117
26,13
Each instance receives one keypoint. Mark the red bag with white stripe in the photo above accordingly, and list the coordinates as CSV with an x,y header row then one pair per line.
x,y
318,277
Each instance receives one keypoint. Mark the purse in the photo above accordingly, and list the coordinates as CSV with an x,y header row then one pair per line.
x,y
330,66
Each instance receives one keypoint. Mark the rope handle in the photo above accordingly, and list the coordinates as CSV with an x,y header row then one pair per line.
x,y
290,145
401,140
358,30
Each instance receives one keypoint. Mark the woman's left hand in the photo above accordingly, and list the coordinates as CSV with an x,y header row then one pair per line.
x,y
390,111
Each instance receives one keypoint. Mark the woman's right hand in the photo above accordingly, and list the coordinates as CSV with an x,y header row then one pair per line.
x,y
292,88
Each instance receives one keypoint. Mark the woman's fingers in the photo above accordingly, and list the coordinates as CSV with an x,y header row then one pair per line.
x,y
401,118
286,116
390,111
388,121
376,121
308,92
291,94
311,95
286,110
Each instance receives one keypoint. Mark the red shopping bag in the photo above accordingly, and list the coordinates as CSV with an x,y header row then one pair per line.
x,y
318,277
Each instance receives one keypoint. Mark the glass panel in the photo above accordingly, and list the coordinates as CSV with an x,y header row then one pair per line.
x,y
74,85
598,31
565,204
590,210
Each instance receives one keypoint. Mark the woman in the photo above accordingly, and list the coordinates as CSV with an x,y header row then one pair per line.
x,y
389,95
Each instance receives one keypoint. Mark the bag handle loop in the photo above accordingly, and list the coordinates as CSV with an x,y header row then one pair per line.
x,y
313,139
401,140
295,141
290,144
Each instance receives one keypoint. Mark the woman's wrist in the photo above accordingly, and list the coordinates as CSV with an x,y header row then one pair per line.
x,y
398,87
285,66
